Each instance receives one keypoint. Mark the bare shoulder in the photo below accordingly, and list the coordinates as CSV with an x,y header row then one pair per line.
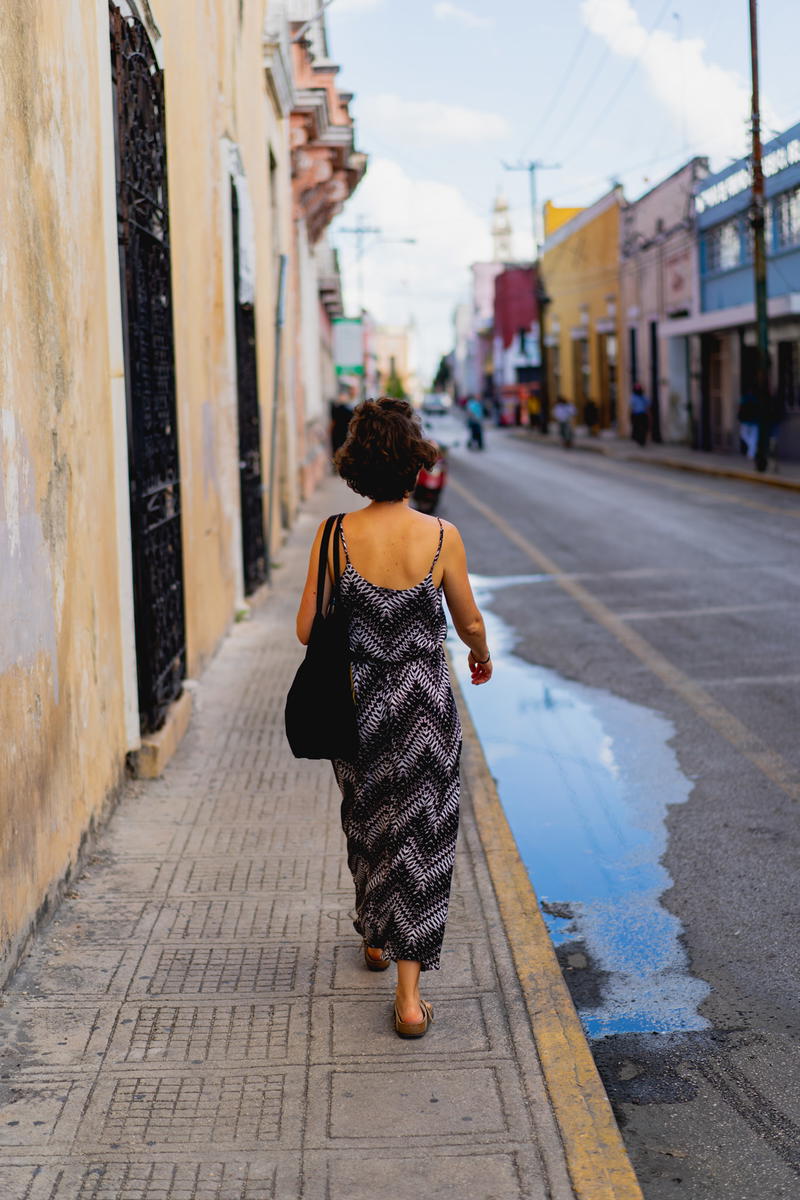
x,y
452,545
451,532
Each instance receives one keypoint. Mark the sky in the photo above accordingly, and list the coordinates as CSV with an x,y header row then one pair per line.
x,y
448,91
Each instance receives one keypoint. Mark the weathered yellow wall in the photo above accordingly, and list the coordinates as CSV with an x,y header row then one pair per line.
x,y
581,276
203,118
62,737
65,624
555,217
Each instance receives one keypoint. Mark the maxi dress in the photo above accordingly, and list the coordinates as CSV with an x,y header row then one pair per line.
x,y
400,796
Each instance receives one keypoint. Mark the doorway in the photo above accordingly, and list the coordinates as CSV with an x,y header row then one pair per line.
x,y
147,328
251,489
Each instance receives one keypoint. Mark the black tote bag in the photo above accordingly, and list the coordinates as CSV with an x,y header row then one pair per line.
x,y
320,713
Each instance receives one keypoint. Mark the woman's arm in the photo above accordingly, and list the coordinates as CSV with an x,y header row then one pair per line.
x,y
308,601
466,615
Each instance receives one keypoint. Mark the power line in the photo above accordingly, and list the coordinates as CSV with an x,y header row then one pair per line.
x,y
628,75
578,104
649,162
556,97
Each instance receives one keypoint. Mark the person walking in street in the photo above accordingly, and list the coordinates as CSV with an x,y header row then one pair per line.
x,y
564,414
475,415
400,794
640,414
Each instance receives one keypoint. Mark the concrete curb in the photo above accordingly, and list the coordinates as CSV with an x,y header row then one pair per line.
x,y
677,464
596,1157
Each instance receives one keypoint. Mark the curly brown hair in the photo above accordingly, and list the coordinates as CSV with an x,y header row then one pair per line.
x,y
384,450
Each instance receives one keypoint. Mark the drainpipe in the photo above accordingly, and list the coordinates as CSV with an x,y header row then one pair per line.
x,y
280,304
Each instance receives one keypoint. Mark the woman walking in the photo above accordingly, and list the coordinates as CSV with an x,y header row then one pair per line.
x,y
400,795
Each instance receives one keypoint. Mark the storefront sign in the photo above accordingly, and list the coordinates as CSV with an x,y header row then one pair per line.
x,y
733,185
348,346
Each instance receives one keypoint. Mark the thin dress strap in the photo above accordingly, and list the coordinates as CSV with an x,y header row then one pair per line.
x,y
439,547
344,542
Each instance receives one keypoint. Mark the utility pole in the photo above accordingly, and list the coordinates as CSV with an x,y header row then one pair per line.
x,y
360,231
757,222
532,167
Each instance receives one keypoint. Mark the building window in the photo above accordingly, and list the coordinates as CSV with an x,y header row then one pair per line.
x,y
789,374
787,219
723,246
555,369
580,372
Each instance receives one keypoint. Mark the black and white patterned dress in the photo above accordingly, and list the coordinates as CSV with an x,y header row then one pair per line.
x,y
400,797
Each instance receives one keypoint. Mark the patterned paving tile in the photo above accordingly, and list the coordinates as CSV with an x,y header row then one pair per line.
x,y
53,1035
283,915
238,1180
242,876
217,970
232,1108
37,1113
179,1033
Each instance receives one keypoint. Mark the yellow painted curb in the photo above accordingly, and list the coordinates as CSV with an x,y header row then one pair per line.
x,y
596,1157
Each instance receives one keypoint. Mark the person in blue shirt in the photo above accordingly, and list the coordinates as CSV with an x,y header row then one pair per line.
x,y
475,414
640,414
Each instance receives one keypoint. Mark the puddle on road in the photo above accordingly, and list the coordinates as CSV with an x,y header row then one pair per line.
x,y
585,779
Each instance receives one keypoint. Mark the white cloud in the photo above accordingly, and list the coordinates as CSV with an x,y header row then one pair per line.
x,y
357,6
423,280
430,121
713,102
445,11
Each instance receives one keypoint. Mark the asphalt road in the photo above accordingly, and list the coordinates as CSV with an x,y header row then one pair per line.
x,y
678,594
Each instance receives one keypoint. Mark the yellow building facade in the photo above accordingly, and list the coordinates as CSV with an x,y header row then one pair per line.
x,y
145,434
582,327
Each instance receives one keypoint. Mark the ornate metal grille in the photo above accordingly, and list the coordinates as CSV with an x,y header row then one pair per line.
x,y
144,254
250,479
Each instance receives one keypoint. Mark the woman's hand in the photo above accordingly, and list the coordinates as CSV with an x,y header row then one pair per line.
x,y
481,672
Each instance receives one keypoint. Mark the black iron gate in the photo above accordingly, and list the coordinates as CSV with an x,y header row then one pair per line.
x,y
144,255
250,477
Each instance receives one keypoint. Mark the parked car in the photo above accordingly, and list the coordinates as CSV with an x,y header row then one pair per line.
x,y
436,402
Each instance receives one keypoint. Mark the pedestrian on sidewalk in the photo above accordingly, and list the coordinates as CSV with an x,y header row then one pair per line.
x,y
591,418
640,414
748,424
400,796
475,415
564,413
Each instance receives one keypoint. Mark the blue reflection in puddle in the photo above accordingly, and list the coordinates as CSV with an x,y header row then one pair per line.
x,y
585,779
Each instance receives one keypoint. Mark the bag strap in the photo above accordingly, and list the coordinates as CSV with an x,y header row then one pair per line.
x,y
323,561
337,566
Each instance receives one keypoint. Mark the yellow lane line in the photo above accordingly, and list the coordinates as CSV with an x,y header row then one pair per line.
x,y
595,1155
768,761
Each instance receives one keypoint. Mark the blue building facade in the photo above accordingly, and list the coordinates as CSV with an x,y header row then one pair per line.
x,y
721,337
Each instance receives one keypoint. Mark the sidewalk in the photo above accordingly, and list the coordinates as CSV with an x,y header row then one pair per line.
x,y
680,458
196,1022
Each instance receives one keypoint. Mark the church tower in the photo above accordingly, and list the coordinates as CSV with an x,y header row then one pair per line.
x,y
501,231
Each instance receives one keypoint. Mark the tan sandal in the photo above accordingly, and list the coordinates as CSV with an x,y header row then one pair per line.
x,y
413,1029
375,964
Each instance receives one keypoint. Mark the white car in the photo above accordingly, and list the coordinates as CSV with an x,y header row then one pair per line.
x,y
436,402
